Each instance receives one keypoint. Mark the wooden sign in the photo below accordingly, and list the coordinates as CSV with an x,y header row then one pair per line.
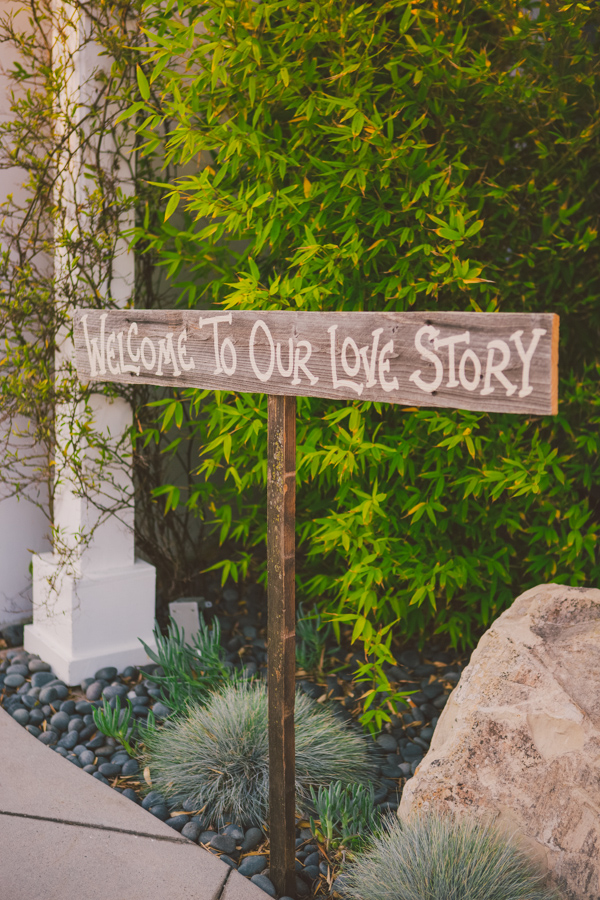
x,y
496,362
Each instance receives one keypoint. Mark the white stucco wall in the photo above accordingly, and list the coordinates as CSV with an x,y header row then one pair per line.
x,y
23,527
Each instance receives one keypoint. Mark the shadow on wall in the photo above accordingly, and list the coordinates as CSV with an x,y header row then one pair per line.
x,y
23,528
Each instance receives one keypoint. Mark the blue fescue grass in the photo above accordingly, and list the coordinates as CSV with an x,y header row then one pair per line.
x,y
217,754
441,857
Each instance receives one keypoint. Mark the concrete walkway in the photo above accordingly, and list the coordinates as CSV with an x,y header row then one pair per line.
x,y
65,836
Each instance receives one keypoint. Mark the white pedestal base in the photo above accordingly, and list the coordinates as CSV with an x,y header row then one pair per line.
x,y
83,624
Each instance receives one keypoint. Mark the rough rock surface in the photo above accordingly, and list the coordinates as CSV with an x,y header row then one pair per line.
x,y
519,739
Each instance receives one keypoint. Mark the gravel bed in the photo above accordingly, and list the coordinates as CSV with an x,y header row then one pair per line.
x,y
61,717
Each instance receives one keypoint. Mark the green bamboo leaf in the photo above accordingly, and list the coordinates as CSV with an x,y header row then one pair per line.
x,y
142,83
172,205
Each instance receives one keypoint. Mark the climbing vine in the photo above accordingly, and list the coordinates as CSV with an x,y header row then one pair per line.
x,y
64,237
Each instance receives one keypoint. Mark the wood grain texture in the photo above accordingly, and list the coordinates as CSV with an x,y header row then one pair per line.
x,y
281,638
494,362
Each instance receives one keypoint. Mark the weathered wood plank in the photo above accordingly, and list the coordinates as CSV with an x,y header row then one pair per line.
x,y
281,636
496,362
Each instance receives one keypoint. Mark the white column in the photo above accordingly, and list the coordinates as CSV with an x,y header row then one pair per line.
x,y
23,525
92,599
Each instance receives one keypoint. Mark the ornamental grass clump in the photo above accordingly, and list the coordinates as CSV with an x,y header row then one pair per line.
x,y
440,857
216,756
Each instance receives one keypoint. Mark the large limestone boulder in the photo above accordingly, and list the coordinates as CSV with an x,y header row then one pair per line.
x,y
519,739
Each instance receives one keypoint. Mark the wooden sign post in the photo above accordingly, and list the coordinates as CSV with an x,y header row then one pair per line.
x,y
489,362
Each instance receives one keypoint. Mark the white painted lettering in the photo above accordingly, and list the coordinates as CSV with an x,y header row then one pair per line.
x,y
384,366
262,376
186,365
135,357
125,367
469,355
450,343
526,357
111,354
166,355
285,372
228,345
370,367
351,370
430,332
214,321
300,363
497,369
337,382
96,356
146,342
